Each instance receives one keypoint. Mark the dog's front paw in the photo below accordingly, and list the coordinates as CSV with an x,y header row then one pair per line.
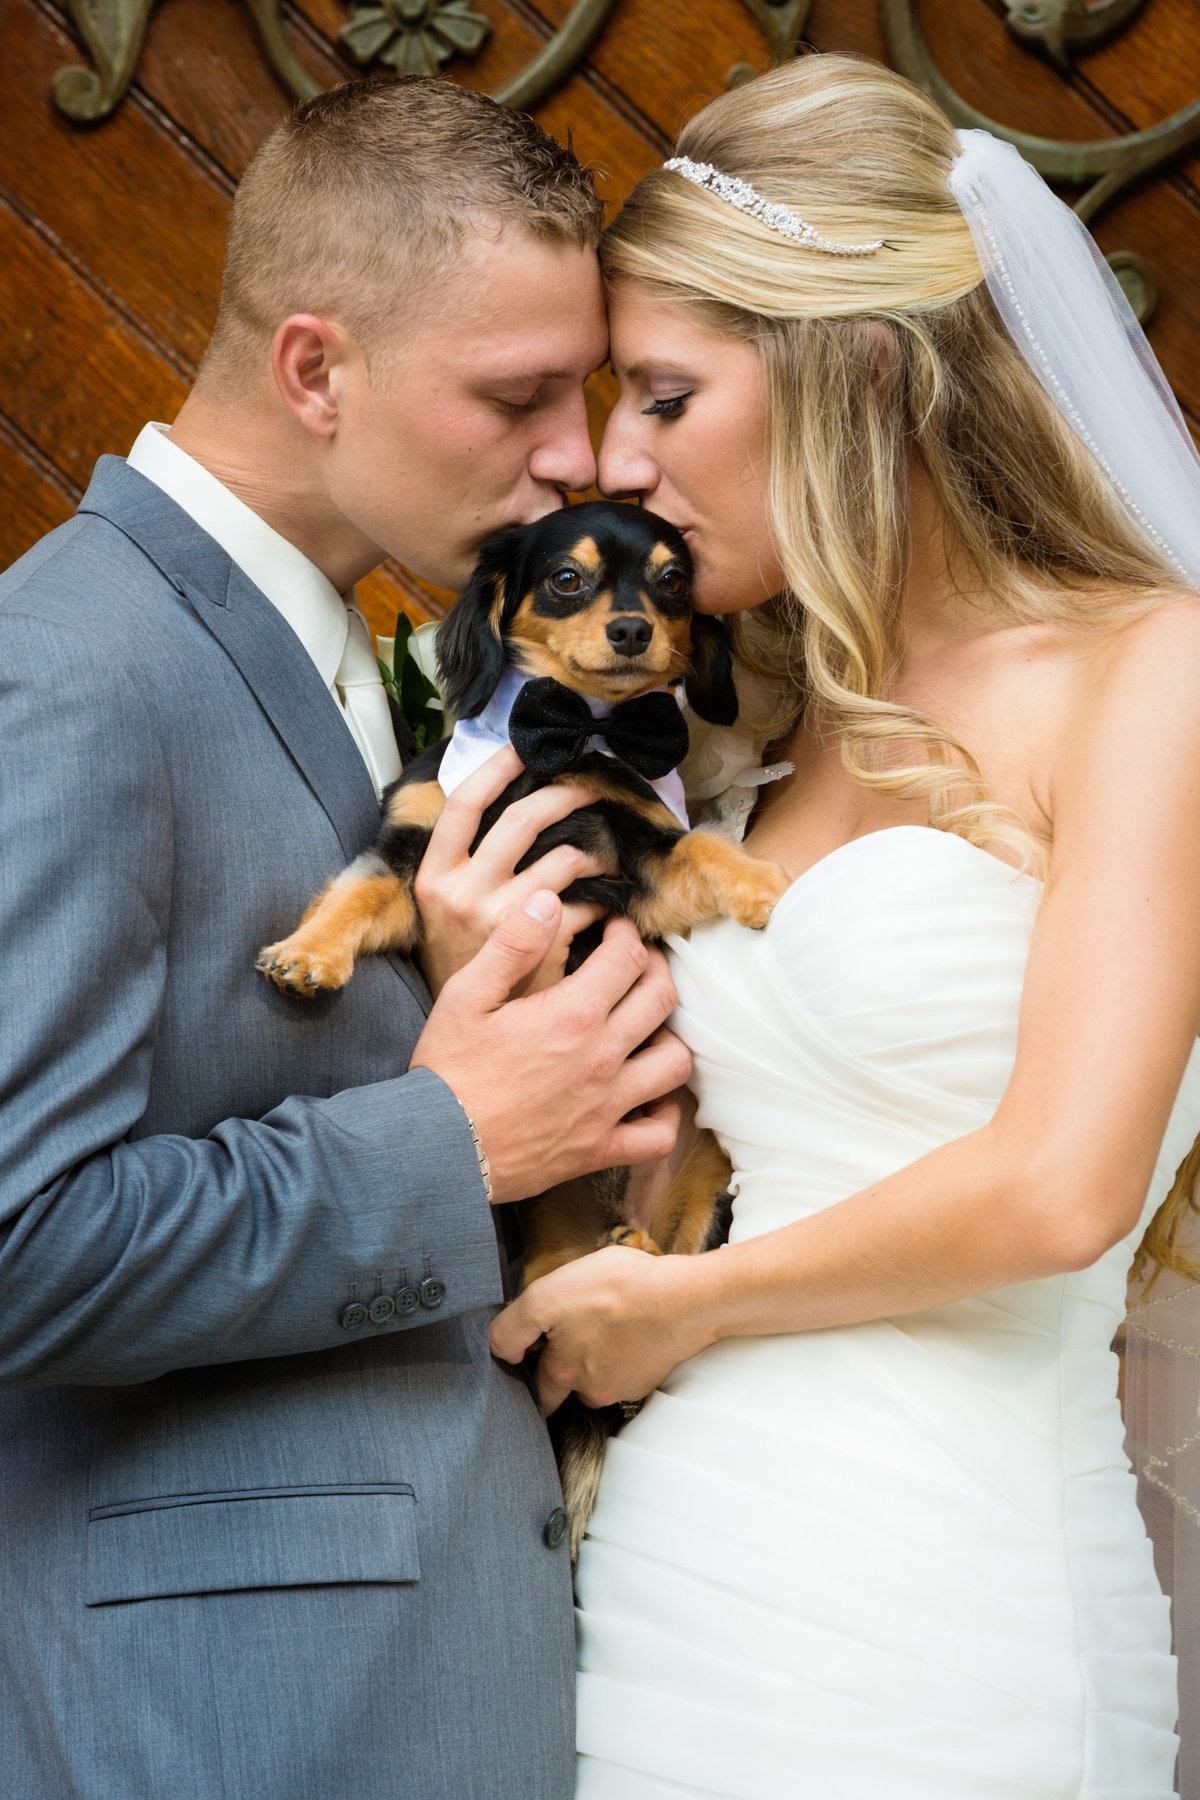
x,y
757,893
296,967
631,1237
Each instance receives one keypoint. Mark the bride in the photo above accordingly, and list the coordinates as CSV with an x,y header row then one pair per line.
x,y
873,1536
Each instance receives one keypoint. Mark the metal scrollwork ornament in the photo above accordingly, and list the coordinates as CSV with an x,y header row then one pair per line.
x,y
414,37
1102,166
1058,27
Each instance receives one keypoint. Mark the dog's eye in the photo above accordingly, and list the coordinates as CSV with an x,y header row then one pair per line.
x,y
671,583
567,581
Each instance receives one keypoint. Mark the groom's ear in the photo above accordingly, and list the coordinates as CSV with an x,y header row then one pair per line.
x,y
709,683
307,354
470,640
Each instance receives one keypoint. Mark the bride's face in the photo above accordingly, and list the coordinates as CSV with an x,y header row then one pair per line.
x,y
688,437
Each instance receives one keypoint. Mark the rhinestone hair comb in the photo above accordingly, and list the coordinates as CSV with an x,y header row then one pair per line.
x,y
779,218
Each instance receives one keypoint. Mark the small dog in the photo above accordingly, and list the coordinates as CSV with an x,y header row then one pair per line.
x,y
591,604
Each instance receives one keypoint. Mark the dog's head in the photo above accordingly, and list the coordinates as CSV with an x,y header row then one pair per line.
x,y
599,598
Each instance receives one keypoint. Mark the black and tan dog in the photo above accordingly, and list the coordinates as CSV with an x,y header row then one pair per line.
x,y
591,602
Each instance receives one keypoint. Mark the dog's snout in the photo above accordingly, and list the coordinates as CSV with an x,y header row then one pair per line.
x,y
629,636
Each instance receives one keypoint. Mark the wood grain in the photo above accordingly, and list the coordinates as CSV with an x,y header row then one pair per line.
x,y
52,322
126,198
33,500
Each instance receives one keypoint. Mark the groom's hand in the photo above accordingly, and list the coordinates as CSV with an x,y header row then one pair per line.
x,y
462,896
575,1078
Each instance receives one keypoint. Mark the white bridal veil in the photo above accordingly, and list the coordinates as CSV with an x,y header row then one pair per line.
x,y
1065,312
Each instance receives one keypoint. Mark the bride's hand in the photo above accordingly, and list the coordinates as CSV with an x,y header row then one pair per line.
x,y
614,1323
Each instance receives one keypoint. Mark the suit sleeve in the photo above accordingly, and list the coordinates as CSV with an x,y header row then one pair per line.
x,y
119,1259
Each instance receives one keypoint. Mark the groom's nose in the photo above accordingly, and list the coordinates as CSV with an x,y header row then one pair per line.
x,y
565,457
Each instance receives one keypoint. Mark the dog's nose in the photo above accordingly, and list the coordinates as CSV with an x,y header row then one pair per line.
x,y
629,636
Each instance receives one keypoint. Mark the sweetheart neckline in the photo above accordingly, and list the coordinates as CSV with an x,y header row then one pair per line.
x,y
890,831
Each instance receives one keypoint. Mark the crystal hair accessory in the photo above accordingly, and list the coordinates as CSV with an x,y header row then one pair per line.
x,y
779,218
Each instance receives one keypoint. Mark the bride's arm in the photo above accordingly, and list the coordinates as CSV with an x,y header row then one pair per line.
x,y
1110,1011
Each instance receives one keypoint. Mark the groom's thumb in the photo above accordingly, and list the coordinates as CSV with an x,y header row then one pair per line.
x,y
514,950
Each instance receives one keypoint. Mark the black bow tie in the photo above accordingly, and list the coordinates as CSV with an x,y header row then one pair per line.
x,y
550,725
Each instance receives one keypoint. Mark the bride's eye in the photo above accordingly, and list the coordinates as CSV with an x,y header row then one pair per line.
x,y
667,409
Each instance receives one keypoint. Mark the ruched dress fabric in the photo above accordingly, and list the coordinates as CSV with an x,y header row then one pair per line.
x,y
899,1560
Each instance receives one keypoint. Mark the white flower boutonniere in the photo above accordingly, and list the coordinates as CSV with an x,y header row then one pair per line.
x,y
408,666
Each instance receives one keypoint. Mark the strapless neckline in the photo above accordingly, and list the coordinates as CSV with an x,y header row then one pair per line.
x,y
824,864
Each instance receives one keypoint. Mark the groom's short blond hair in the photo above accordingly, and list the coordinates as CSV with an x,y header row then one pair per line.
x,y
358,199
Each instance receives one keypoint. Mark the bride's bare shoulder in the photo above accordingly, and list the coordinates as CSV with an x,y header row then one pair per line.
x,y
1156,646
1135,703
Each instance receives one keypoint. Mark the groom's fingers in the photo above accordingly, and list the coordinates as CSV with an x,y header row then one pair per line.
x,y
454,833
648,1137
512,953
521,824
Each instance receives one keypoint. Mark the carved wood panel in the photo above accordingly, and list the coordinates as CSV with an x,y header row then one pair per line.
x,y
111,234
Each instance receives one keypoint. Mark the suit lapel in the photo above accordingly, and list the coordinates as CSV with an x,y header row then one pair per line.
x,y
270,657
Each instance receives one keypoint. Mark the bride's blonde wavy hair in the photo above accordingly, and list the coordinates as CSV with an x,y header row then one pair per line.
x,y
869,361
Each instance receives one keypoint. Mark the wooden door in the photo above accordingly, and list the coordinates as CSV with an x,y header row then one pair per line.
x,y
111,231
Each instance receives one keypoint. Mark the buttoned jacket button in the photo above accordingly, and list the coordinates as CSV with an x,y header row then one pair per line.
x,y
407,1300
432,1292
354,1316
381,1309
556,1527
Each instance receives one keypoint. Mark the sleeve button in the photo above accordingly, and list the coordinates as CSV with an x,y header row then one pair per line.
x,y
432,1292
556,1527
381,1309
407,1300
354,1316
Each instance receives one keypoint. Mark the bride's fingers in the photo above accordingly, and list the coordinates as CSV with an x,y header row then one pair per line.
x,y
552,1387
514,1331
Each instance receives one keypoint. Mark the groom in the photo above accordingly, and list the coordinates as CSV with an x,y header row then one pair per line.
x,y
273,1526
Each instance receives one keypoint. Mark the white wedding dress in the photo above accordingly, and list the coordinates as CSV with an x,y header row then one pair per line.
x,y
899,1560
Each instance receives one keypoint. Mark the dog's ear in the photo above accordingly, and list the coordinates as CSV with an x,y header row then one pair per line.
x,y
470,640
709,683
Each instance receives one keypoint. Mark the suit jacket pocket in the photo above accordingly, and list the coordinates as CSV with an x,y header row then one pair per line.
x,y
252,1538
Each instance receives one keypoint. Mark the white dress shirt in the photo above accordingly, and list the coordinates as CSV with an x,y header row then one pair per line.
x,y
332,630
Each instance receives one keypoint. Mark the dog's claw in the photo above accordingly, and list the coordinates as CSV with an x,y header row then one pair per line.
x,y
295,969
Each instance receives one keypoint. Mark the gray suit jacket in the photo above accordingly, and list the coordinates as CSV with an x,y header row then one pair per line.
x,y
250,1543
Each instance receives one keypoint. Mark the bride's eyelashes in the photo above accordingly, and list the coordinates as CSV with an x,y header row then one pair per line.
x,y
667,409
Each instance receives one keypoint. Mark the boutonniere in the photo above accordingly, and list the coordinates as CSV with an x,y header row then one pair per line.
x,y
408,665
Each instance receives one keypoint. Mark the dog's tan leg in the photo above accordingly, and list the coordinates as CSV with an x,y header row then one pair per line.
x,y
703,876
561,1224
683,1218
367,907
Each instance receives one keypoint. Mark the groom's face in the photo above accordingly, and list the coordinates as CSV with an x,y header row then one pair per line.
x,y
474,417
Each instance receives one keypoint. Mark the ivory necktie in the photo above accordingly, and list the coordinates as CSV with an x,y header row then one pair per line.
x,y
364,702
